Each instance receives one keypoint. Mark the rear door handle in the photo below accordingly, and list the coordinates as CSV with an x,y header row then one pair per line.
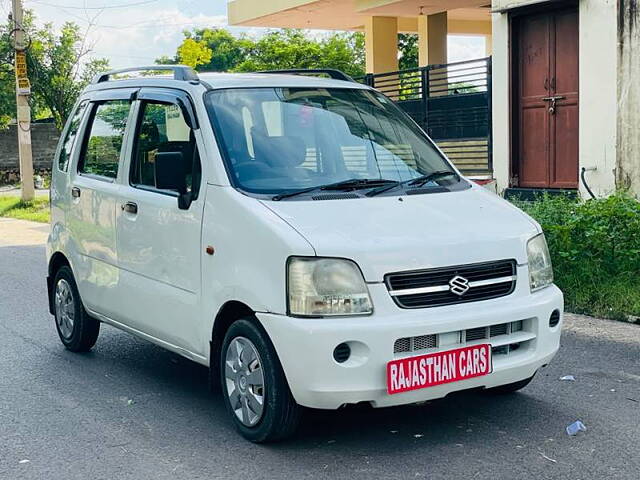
x,y
75,192
130,207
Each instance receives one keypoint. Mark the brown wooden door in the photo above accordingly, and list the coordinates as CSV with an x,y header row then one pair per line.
x,y
546,72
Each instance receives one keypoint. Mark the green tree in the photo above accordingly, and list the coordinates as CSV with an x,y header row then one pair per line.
x,y
7,75
283,49
167,60
58,66
408,47
345,52
217,50
7,94
194,53
278,49
226,50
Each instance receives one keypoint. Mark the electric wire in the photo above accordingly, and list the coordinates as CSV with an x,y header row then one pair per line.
x,y
103,7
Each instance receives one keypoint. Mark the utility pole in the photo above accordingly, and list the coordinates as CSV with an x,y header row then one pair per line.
x,y
23,91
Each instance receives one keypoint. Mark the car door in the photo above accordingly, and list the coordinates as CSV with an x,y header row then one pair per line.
x,y
94,193
158,243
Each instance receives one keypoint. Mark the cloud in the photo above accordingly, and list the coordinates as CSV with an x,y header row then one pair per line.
x,y
145,37
139,34
134,35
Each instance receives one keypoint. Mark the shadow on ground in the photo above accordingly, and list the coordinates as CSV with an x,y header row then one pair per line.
x,y
461,418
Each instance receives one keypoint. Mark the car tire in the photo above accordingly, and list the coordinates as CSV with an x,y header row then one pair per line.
x,y
247,357
77,330
510,387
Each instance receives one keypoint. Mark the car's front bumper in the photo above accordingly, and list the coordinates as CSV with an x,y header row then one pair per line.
x,y
305,346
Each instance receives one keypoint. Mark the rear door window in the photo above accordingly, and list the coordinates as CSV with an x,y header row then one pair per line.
x,y
70,137
104,141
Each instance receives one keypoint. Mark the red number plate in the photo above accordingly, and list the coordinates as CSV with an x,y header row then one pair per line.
x,y
424,371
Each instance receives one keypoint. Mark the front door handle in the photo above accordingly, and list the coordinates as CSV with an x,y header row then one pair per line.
x,y
130,207
75,192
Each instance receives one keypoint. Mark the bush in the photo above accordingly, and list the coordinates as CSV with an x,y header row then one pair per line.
x,y
595,249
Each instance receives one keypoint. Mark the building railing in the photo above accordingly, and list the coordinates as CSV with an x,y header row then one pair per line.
x,y
452,103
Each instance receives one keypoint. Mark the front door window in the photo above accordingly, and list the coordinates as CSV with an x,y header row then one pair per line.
x,y
163,129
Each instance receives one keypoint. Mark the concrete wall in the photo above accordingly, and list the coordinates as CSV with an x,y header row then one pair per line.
x,y
44,139
501,104
628,55
598,110
598,102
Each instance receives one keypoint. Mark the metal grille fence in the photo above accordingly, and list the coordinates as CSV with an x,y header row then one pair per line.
x,y
452,103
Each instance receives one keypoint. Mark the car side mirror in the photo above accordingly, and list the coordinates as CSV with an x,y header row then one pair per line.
x,y
184,201
171,174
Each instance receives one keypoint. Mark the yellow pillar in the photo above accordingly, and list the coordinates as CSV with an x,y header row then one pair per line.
x,y
488,45
381,44
432,41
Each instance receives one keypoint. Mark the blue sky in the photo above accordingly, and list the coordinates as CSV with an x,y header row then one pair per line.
x,y
135,32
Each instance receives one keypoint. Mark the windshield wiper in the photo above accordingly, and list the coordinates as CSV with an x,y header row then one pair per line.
x,y
418,181
350,184
355,183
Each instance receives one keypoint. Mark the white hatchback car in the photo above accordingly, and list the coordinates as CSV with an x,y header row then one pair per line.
x,y
298,235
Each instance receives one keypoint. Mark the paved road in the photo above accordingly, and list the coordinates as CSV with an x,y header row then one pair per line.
x,y
130,410
15,192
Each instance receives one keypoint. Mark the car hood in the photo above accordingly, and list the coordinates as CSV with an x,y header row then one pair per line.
x,y
410,232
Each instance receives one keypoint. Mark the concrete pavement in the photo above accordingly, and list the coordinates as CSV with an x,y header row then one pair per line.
x,y
15,192
14,232
130,410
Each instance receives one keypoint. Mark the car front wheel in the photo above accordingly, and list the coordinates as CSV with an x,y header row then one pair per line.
x,y
254,386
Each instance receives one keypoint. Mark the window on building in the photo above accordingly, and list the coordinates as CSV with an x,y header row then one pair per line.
x,y
104,143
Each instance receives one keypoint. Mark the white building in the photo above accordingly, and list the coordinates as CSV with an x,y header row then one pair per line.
x,y
565,77
581,51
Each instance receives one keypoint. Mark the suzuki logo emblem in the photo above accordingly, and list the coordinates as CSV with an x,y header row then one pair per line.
x,y
459,285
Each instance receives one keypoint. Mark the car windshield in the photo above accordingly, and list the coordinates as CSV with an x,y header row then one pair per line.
x,y
283,140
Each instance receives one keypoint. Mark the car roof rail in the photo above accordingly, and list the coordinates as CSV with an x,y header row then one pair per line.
x,y
180,72
331,72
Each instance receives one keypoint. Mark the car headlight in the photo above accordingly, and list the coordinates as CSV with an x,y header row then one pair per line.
x,y
326,287
540,270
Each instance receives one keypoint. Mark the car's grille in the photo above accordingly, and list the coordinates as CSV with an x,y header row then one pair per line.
x,y
476,334
412,344
496,330
425,342
438,286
